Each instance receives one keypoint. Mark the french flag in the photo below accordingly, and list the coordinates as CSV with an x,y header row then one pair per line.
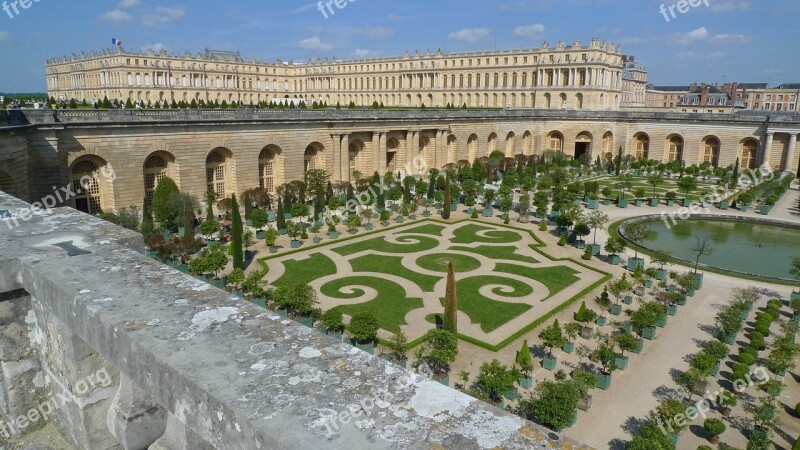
x,y
116,42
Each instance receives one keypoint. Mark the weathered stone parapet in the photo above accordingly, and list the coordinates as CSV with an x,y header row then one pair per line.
x,y
227,373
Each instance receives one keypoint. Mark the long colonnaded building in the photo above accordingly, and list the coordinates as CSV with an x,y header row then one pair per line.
x,y
573,76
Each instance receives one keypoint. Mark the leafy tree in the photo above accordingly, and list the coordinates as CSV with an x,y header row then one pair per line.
x,y
236,277
495,379
397,346
615,245
551,404
297,299
332,319
666,411
637,232
626,342
524,359
439,350
714,426
451,302
552,337
692,381
687,184
280,220
655,181
447,200
650,437
595,220
236,234
161,204
259,218
363,326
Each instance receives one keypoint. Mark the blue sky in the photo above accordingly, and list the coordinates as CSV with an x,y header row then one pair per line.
x,y
729,40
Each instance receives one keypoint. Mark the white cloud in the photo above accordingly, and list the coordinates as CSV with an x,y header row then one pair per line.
x,y
361,53
698,36
314,43
164,15
374,32
531,32
470,34
157,47
124,4
5,37
116,16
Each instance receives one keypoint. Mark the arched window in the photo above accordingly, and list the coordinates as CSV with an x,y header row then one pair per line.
x,y
215,173
749,154
266,170
675,152
642,150
155,168
86,186
711,151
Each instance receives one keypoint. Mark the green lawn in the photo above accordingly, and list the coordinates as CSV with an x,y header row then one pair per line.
x,y
431,229
438,262
556,278
390,307
490,314
392,265
507,252
703,188
297,272
467,234
380,244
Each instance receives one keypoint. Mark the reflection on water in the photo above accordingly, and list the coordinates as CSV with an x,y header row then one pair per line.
x,y
744,247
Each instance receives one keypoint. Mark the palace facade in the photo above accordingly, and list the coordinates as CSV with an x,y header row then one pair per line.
x,y
230,151
589,76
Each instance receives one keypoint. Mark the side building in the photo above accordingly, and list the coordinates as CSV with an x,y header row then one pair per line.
x,y
578,76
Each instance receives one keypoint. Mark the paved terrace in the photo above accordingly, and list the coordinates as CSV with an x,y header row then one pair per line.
x,y
194,368
39,117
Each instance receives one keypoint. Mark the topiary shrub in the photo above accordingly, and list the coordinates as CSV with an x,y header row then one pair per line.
x,y
758,344
746,359
774,303
762,329
704,447
749,351
797,410
755,335
740,367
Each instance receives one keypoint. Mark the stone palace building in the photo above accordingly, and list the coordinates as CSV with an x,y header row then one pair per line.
x,y
573,76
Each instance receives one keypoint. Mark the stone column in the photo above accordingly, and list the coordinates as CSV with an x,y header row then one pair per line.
x,y
412,147
376,153
790,165
337,147
765,157
344,159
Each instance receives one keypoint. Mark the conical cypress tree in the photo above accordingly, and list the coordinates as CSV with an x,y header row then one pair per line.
x,y
148,227
524,359
350,193
236,235
381,202
448,199
451,302
280,221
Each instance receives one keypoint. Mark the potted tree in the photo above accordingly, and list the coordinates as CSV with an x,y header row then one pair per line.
x,y
353,222
438,351
525,363
397,347
604,354
644,319
496,380
636,233
315,229
580,230
614,246
270,237
714,427
363,329
571,331
551,337
605,303
384,217
367,214
234,280
655,180
596,220
586,316
671,198
640,193
662,260
294,231
333,322
626,342
668,410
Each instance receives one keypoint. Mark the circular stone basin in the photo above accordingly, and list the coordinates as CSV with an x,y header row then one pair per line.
x,y
752,247
438,262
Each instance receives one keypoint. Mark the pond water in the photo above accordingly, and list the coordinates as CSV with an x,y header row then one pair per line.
x,y
757,248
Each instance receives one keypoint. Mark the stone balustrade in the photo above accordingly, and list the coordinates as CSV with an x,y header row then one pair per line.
x,y
135,355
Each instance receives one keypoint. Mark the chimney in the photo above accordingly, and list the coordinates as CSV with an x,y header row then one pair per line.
x,y
632,58
624,58
704,95
693,86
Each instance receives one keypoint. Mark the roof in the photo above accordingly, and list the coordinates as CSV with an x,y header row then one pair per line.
x,y
670,88
789,86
